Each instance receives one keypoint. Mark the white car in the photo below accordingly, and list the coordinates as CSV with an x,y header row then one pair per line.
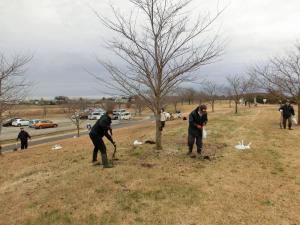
x,y
20,122
120,110
124,116
95,115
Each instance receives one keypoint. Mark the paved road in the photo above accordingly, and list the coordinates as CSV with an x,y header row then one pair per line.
x,y
66,136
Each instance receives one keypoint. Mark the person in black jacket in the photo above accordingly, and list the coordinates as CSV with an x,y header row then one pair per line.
x,y
197,120
287,113
98,131
23,136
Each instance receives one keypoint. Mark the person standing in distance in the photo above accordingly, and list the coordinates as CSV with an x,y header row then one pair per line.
x,y
98,131
23,136
197,120
287,113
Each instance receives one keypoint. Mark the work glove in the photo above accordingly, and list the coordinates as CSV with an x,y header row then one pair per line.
x,y
199,126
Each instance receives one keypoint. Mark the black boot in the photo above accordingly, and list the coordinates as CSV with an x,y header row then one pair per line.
x,y
105,162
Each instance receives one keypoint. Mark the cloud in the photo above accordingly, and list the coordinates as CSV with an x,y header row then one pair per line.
x,y
65,36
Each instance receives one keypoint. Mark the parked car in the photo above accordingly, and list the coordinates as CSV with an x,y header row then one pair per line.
x,y
115,115
45,124
82,116
20,122
8,122
125,116
95,115
119,110
33,122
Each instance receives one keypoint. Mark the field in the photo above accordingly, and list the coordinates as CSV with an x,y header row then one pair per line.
x,y
257,186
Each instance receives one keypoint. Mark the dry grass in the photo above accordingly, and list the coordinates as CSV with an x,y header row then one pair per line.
x,y
259,186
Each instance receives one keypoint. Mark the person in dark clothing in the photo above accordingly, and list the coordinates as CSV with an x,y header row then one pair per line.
x,y
98,131
23,136
287,113
197,120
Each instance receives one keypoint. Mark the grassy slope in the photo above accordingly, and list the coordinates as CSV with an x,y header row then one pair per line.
x,y
259,186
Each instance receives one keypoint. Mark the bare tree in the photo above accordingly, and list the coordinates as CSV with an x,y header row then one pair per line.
x,y
201,96
160,52
173,99
190,94
227,94
13,85
211,89
237,87
108,104
139,105
74,112
281,75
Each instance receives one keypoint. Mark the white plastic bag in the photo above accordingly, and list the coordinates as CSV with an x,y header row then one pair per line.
x,y
136,142
204,133
56,147
242,146
294,121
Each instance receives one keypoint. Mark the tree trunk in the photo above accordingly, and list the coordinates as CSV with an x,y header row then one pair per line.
x,y
78,129
158,132
213,105
298,111
45,112
200,101
1,121
236,107
230,103
175,106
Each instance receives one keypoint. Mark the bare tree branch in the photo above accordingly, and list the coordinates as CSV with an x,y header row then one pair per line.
x,y
160,52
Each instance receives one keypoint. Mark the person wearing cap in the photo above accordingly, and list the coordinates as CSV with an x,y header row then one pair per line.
x,y
197,120
98,131
23,136
287,113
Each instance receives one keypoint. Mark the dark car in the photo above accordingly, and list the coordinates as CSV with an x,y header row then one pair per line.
x,y
115,115
8,122
82,116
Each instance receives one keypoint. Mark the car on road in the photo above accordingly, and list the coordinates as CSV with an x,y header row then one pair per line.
x,y
95,115
125,116
8,122
45,124
115,115
33,122
20,122
120,110
82,116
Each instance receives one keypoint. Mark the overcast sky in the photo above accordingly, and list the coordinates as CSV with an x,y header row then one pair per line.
x,y
65,37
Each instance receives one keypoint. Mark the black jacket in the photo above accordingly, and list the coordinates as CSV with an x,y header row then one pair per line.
x,y
287,111
23,136
101,128
194,120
